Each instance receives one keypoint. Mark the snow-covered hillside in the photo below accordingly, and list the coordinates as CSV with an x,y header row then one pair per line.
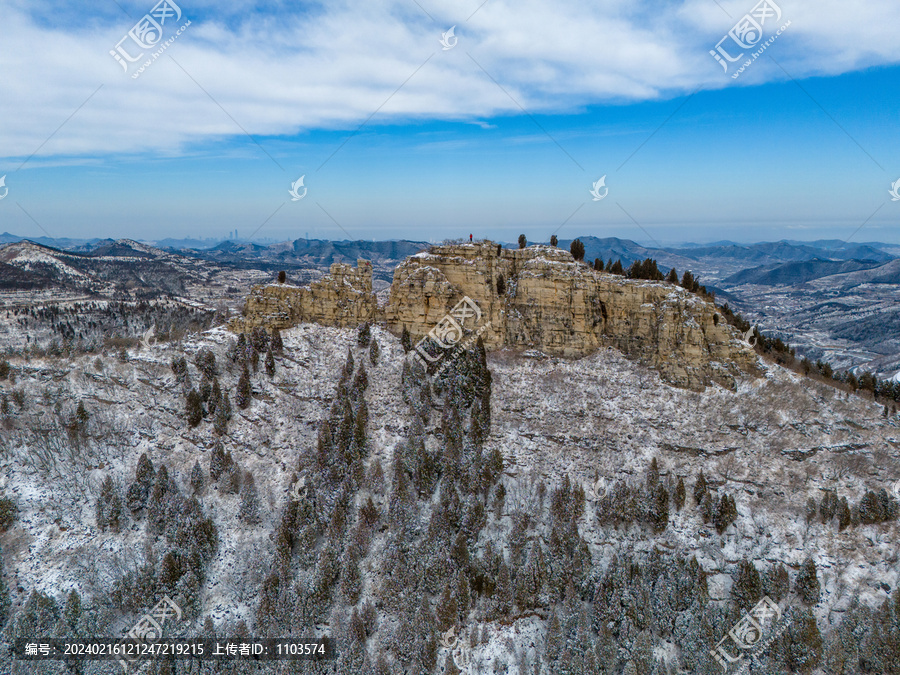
x,y
591,424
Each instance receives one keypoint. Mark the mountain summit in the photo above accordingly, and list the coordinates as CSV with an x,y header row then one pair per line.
x,y
536,297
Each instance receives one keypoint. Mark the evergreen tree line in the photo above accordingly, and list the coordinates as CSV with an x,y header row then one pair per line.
x,y
90,327
874,507
650,503
322,537
189,539
209,400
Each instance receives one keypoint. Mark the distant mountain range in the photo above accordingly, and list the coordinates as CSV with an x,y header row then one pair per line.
x,y
318,253
324,252
799,272
828,298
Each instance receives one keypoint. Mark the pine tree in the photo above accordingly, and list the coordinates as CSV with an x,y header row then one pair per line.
x,y
501,285
239,350
180,370
829,506
405,340
81,415
249,511
503,592
700,488
576,248
215,397
374,352
777,583
231,478
71,611
360,382
193,408
746,590
139,490
726,513
361,421
223,413
206,363
282,277
679,494
463,593
553,240
672,276
270,362
653,474
109,506
802,643
843,514
242,395
459,552
871,510
659,507
277,342
217,461
530,582
198,480
364,335
259,339
351,577
806,585
8,513
523,242
447,610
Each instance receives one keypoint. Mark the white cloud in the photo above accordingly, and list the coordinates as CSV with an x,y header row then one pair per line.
x,y
333,68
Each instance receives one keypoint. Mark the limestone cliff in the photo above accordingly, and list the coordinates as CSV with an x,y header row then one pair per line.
x,y
549,302
341,298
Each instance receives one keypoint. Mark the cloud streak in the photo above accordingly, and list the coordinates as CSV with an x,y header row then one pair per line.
x,y
331,66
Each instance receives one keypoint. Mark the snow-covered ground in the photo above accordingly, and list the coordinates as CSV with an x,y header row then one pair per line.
x,y
774,443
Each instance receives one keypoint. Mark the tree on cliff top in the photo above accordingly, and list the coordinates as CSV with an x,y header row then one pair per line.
x,y
577,249
523,242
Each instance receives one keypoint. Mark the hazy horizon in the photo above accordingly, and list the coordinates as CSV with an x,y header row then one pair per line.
x,y
269,241
401,130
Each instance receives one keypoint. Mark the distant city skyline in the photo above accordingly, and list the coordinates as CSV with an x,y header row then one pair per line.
x,y
372,122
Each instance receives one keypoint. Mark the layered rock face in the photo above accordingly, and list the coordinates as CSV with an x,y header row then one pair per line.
x,y
548,301
341,298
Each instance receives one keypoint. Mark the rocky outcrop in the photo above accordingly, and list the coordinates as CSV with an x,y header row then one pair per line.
x,y
547,300
341,298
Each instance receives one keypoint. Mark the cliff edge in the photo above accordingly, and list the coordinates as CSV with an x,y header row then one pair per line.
x,y
537,297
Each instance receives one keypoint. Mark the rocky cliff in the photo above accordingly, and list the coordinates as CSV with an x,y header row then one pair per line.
x,y
537,297
341,298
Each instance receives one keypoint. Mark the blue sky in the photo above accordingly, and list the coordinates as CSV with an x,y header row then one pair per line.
x,y
399,138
